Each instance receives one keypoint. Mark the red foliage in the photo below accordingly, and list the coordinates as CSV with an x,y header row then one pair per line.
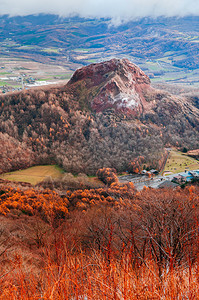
x,y
135,166
107,175
46,204
124,240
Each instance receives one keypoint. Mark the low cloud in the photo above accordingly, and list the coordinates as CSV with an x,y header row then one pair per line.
x,y
119,11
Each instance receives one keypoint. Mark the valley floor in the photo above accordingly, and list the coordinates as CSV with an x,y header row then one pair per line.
x,y
177,164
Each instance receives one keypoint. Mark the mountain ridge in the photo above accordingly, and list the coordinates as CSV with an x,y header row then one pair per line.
x,y
161,46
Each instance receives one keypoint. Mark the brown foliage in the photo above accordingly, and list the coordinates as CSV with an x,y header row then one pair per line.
x,y
49,126
46,204
14,154
135,166
107,175
70,182
115,242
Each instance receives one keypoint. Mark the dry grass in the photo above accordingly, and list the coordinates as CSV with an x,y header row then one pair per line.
x,y
179,162
33,175
92,276
146,249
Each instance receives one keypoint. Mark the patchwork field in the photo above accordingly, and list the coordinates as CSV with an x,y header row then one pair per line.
x,y
179,162
18,73
34,175
164,53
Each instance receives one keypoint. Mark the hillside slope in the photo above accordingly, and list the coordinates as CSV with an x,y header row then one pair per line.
x,y
105,116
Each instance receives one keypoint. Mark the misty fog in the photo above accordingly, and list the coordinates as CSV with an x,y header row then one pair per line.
x,y
117,10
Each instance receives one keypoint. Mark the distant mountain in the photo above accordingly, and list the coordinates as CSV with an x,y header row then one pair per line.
x,y
171,43
105,116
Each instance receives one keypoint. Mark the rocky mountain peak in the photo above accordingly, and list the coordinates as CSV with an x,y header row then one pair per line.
x,y
99,71
117,83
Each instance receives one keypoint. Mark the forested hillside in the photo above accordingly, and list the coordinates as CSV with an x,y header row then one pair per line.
x,y
111,242
63,125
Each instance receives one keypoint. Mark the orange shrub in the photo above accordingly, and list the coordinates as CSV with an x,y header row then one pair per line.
x,y
107,175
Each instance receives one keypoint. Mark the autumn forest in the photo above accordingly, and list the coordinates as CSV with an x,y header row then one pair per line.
x,y
71,238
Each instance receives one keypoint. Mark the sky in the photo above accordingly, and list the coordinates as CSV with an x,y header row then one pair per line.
x,y
117,10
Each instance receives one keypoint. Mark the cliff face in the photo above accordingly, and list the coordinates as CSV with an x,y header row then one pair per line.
x,y
117,84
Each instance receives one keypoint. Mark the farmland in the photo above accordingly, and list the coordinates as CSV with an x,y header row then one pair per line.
x,y
164,53
178,162
34,175
14,71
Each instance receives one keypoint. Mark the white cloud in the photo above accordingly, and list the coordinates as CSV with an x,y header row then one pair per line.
x,y
116,9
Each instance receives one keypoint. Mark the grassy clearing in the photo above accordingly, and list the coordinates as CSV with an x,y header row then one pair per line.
x,y
81,50
92,61
165,59
168,53
2,83
153,66
4,73
51,50
27,47
179,162
34,175
180,57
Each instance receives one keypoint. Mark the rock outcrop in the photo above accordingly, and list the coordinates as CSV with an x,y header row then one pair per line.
x,y
117,84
